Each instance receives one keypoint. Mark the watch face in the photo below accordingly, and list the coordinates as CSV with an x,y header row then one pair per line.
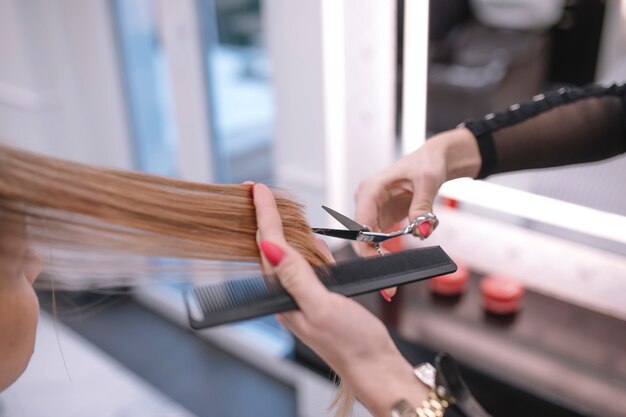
x,y
426,373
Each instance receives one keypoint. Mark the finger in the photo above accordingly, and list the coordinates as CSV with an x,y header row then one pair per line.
x,y
297,324
33,265
251,184
293,320
369,198
423,198
364,249
282,319
375,193
388,293
422,203
367,203
269,223
366,214
268,219
296,276
267,267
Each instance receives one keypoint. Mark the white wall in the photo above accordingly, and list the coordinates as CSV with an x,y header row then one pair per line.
x,y
333,69
21,101
60,91
293,33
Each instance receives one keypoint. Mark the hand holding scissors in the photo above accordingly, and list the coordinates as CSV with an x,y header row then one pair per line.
x,y
421,227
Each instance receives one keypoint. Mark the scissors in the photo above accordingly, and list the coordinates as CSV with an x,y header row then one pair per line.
x,y
362,233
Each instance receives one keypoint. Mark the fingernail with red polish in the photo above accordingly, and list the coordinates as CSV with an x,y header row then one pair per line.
x,y
424,228
272,253
385,295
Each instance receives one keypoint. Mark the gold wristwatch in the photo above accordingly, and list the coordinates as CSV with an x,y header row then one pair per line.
x,y
436,403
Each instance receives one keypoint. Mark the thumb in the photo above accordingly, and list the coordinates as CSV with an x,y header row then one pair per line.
x,y
295,275
421,204
419,207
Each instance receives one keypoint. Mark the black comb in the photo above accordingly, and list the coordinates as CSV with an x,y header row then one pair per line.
x,y
243,299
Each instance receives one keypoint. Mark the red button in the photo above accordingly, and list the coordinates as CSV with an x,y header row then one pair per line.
x,y
501,295
451,284
449,202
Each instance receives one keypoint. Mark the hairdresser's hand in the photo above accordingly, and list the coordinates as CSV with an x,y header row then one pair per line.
x,y
408,187
341,331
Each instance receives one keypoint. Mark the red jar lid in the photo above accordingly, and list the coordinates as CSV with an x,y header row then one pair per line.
x,y
451,284
501,295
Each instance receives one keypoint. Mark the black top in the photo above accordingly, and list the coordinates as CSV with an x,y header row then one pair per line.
x,y
567,126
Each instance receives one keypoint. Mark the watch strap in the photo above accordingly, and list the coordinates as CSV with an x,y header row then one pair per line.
x,y
449,379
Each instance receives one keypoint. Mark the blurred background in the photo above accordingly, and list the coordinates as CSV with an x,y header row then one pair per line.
x,y
314,96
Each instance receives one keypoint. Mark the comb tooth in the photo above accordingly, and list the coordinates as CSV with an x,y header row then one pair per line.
x,y
233,298
253,286
199,294
232,294
211,297
376,267
208,303
204,302
218,296
244,293
258,289
252,296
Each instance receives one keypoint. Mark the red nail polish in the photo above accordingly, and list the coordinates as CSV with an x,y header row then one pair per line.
x,y
272,253
385,295
424,228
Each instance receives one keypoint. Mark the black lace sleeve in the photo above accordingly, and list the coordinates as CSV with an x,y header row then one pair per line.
x,y
567,126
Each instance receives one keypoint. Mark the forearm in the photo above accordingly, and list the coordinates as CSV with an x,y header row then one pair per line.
x,y
567,126
459,149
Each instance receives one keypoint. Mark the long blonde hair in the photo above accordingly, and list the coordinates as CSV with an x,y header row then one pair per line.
x,y
105,222
87,213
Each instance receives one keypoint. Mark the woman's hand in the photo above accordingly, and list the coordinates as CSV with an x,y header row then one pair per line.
x,y
409,186
341,331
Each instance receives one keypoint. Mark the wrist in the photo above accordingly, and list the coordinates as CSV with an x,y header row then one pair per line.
x,y
460,153
383,382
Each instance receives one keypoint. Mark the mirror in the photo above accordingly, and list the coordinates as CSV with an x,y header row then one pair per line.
x,y
484,56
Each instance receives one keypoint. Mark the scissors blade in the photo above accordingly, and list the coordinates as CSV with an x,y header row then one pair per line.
x,y
341,234
349,223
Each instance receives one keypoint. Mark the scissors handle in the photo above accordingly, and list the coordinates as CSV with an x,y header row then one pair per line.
x,y
377,237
